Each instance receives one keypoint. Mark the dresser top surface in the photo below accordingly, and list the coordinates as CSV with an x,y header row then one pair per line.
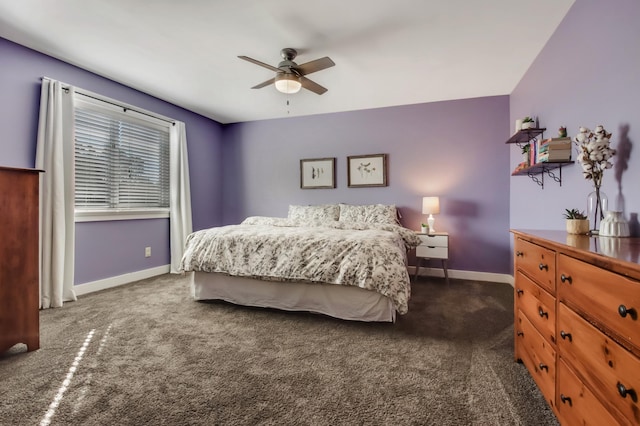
x,y
624,253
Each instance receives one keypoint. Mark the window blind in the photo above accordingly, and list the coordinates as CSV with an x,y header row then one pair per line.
x,y
121,159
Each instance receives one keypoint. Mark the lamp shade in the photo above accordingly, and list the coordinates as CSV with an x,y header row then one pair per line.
x,y
430,205
288,83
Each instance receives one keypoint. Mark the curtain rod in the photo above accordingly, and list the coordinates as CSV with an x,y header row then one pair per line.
x,y
113,102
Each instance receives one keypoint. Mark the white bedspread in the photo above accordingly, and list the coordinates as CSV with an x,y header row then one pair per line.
x,y
370,256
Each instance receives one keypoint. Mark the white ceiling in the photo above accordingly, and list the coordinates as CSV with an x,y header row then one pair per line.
x,y
387,53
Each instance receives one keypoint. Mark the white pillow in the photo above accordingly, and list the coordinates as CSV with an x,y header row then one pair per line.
x,y
374,213
324,212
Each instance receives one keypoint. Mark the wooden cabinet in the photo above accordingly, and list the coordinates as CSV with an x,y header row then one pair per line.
x,y
19,286
593,329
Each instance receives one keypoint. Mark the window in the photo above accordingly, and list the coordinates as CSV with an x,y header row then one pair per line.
x,y
121,162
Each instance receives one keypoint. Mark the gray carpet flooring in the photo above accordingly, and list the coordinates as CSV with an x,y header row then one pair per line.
x,y
146,354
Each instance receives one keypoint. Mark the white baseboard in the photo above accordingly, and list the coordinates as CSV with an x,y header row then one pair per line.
x,y
106,283
464,275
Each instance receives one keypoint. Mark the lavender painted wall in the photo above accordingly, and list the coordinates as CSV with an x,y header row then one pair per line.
x,y
452,149
587,74
106,249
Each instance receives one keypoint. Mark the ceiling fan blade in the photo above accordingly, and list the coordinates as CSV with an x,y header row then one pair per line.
x,y
312,85
264,83
313,66
262,64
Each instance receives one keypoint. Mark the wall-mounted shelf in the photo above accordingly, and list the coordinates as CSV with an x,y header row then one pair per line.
x,y
522,137
537,171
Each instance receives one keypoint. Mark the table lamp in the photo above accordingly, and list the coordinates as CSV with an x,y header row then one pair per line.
x,y
431,206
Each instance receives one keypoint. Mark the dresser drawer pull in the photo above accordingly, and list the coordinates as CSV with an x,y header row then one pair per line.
x,y
624,311
519,253
543,266
565,278
623,391
520,333
431,246
565,399
543,367
565,335
543,313
519,291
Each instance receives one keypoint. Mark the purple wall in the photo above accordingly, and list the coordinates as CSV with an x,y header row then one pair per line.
x,y
587,74
452,149
106,249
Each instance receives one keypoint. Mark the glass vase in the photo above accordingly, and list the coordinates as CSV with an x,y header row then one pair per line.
x,y
597,205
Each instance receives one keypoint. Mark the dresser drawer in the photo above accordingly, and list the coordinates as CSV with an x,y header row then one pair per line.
x,y
607,367
606,297
538,305
538,356
576,405
537,262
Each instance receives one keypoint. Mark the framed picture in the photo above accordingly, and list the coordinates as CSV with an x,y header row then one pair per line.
x,y
316,173
367,170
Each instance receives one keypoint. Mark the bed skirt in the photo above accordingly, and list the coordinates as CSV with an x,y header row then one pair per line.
x,y
338,301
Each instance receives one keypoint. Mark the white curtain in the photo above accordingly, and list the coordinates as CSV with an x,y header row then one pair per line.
x,y
54,155
180,207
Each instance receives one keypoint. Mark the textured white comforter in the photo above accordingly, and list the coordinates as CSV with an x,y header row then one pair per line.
x,y
370,256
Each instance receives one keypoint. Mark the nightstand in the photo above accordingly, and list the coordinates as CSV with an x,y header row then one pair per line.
x,y
433,246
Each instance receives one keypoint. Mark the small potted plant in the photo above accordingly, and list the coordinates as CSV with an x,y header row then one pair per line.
x,y
577,222
424,228
527,123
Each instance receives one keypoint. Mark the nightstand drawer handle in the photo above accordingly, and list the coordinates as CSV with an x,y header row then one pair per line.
x,y
543,313
565,399
543,266
564,278
519,253
623,391
542,366
565,335
431,246
624,311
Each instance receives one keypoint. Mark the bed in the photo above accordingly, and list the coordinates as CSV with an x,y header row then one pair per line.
x,y
348,262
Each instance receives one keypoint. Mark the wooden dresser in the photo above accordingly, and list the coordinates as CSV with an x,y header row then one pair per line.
x,y
19,286
576,306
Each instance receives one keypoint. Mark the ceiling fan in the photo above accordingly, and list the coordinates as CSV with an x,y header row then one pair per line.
x,y
290,77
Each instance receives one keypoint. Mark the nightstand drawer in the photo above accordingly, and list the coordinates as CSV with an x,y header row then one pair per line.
x,y
432,252
434,240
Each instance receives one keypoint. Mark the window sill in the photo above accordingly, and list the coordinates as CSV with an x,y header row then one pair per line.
x,y
107,215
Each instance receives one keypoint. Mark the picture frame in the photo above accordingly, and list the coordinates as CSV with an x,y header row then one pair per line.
x,y
318,173
367,170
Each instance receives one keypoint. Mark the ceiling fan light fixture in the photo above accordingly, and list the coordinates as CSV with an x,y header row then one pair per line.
x,y
288,83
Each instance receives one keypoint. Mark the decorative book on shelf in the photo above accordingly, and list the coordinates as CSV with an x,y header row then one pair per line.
x,y
554,149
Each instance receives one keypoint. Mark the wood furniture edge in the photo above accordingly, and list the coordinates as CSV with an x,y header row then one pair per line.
x,y
619,266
